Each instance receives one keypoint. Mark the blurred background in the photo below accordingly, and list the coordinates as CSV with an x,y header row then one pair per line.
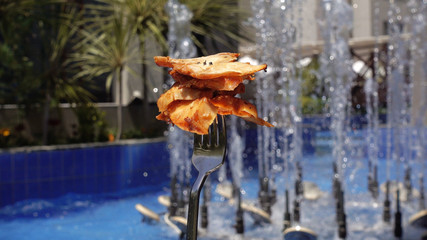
x,y
65,65
345,87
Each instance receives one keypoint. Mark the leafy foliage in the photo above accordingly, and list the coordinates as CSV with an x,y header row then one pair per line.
x,y
216,20
51,51
311,99
92,126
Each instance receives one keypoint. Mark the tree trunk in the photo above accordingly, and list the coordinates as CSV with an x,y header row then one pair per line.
x,y
119,106
144,79
46,114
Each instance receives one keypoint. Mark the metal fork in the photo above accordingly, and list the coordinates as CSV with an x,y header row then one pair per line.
x,y
208,155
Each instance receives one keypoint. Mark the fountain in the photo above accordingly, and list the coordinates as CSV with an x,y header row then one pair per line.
x,y
178,141
278,208
371,180
371,98
180,46
417,51
335,62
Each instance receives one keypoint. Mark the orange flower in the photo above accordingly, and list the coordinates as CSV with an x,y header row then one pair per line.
x,y
110,137
5,132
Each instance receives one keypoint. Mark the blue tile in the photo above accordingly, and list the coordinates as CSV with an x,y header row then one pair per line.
x,y
102,156
44,173
44,166
70,164
57,164
138,178
140,154
77,185
19,166
44,159
33,189
119,153
44,188
6,194
112,160
110,183
19,192
5,168
102,184
55,189
90,162
90,185
31,166
126,180
79,160
126,159
68,185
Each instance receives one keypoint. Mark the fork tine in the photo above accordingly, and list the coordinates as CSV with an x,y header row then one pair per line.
x,y
223,132
214,134
205,140
197,140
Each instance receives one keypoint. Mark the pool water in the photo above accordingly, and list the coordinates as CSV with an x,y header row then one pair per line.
x,y
110,216
80,217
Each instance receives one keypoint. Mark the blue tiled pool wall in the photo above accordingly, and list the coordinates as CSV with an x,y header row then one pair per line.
x,y
114,168
87,170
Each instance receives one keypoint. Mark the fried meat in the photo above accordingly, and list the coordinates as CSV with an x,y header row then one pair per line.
x,y
216,58
205,87
194,116
229,105
218,70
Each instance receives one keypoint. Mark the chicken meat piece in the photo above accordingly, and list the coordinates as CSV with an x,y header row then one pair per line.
x,y
218,70
222,84
191,115
229,105
205,87
179,92
238,90
216,58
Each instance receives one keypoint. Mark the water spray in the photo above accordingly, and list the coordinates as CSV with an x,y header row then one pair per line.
x,y
374,186
341,217
398,231
180,46
422,204
386,208
173,207
239,226
407,183
287,215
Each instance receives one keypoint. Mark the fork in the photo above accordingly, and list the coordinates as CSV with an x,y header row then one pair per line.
x,y
208,155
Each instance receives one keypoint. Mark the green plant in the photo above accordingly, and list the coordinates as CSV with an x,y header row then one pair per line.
x,y
36,39
57,78
50,50
311,96
114,24
14,137
106,51
16,19
217,20
92,126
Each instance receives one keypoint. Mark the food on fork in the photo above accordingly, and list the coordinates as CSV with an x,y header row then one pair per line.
x,y
210,70
177,92
204,87
228,105
216,58
194,116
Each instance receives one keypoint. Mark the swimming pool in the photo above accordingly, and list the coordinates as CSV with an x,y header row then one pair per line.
x,y
112,214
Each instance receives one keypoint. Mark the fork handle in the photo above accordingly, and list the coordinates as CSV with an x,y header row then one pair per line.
x,y
193,206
